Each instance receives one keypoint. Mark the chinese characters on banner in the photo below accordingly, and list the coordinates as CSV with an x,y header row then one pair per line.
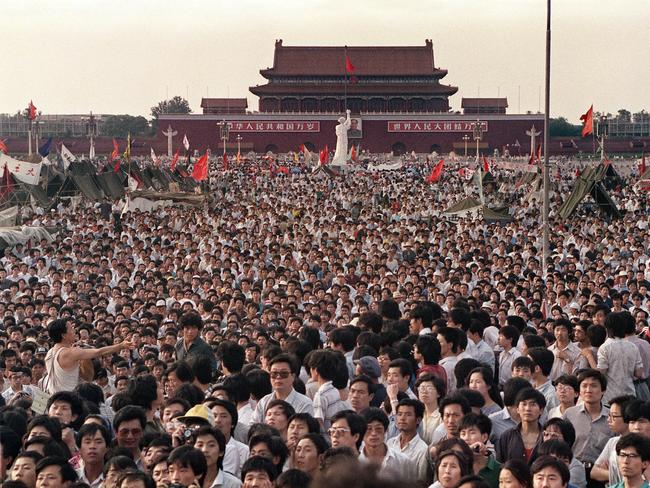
x,y
433,126
274,126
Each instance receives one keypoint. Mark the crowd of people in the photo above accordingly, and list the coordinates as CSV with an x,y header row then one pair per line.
x,y
328,331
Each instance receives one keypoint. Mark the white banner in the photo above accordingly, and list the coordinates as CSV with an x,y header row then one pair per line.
x,y
67,156
29,173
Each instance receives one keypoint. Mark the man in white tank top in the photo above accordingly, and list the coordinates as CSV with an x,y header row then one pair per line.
x,y
63,360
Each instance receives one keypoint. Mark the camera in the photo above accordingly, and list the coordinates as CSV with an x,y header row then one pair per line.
x,y
176,485
477,448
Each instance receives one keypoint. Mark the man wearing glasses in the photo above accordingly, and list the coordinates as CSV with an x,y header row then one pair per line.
x,y
283,373
348,430
633,453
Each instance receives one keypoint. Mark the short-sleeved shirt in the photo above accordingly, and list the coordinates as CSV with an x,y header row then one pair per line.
x,y
620,358
299,402
591,435
327,403
505,364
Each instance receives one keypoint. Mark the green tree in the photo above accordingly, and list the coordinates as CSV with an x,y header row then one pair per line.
x,y
176,105
562,127
122,125
624,115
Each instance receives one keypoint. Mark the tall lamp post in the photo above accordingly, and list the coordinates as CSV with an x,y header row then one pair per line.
x,y
466,140
91,133
239,139
547,164
477,130
603,132
38,132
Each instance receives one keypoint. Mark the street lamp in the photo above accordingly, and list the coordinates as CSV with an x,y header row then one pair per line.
x,y
239,139
224,132
466,140
477,130
91,133
603,132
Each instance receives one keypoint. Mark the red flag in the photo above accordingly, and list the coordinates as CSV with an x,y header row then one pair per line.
x,y
3,146
31,111
200,171
7,185
461,172
116,151
353,154
588,122
324,155
116,166
642,166
303,149
175,160
225,162
436,172
539,152
486,166
349,67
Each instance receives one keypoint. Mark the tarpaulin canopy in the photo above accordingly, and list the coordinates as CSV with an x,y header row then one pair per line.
x,y
590,182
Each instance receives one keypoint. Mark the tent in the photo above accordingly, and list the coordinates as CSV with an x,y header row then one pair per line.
x,y
591,182
464,208
323,171
473,208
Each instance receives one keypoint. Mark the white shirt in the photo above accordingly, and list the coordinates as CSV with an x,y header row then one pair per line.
x,y
417,451
395,465
225,480
234,457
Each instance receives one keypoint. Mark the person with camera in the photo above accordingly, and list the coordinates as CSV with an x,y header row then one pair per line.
x,y
475,431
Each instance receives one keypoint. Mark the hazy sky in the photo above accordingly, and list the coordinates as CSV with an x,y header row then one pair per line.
x,y
123,56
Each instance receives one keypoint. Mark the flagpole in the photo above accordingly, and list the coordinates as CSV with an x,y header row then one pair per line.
x,y
29,131
345,84
547,166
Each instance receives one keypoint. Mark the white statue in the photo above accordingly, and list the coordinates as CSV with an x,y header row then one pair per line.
x,y
341,153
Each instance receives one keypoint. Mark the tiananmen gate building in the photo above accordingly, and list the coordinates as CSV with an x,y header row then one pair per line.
x,y
395,94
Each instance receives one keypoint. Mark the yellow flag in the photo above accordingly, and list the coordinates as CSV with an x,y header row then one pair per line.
x,y
127,151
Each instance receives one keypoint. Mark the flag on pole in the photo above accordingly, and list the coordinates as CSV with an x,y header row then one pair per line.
x,y
486,166
353,154
175,160
155,158
642,166
127,151
200,171
7,185
67,156
238,158
131,183
324,155
31,111
186,142
116,151
117,165
436,172
303,149
350,68
44,150
225,162
588,122
3,146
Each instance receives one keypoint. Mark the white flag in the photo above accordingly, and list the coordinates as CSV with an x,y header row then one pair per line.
x,y
67,156
132,183
186,142
154,158
29,173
